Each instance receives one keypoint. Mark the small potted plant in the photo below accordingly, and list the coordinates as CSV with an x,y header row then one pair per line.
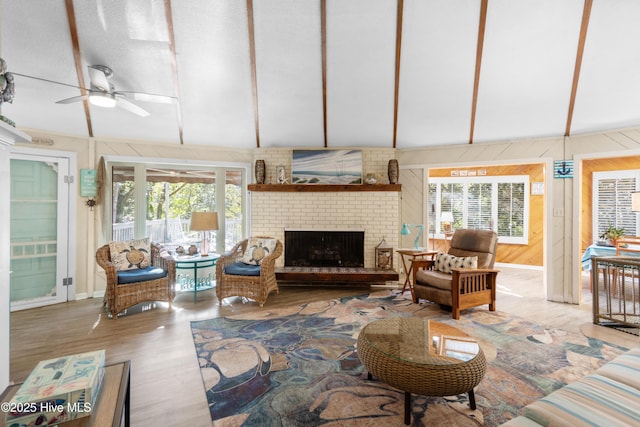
x,y
612,234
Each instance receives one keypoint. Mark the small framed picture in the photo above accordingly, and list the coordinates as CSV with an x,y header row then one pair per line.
x,y
281,176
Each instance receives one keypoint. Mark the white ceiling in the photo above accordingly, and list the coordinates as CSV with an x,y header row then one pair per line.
x,y
316,73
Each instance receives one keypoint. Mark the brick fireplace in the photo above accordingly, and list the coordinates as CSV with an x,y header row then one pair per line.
x,y
376,213
324,248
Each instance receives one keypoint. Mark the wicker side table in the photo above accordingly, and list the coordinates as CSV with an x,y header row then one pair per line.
x,y
423,357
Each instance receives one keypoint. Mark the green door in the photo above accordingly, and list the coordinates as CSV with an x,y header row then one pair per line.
x,y
39,230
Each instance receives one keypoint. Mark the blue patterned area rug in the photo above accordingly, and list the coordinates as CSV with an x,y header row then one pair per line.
x,y
298,366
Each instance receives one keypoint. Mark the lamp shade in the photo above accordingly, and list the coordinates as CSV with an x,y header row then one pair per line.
x,y
635,201
204,221
405,230
446,217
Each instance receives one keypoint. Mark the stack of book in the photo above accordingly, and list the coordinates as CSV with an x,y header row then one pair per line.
x,y
58,390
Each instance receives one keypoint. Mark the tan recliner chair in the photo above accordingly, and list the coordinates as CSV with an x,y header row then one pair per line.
x,y
463,287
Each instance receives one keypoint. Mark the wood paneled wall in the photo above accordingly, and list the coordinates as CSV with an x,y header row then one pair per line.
x,y
586,192
531,254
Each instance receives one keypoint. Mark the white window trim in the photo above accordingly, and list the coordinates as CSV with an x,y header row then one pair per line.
x,y
597,176
494,180
146,162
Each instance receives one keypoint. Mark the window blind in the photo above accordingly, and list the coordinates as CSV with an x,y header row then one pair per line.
x,y
612,201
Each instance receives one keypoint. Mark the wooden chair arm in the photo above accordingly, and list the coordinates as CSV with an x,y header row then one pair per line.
x,y
471,280
474,271
420,264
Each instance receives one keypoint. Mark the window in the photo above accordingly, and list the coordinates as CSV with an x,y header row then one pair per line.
x,y
612,201
499,203
166,195
511,200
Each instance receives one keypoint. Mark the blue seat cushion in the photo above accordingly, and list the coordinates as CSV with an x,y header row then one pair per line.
x,y
242,269
140,275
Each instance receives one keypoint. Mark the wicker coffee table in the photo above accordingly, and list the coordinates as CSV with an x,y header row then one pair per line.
x,y
423,357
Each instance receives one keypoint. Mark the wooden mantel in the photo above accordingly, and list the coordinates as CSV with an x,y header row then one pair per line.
x,y
301,188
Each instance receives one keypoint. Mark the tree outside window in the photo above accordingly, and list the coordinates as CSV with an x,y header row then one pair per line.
x,y
499,203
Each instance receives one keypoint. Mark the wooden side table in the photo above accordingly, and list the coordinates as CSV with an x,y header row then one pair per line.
x,y
112,407
410,255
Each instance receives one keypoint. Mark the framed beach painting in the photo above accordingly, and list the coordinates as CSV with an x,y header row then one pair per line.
x,y
327,167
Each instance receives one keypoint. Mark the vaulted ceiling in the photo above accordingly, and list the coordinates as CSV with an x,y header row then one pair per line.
x,y
328,73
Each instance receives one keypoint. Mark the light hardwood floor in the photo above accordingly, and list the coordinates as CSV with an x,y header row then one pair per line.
x,y
166,384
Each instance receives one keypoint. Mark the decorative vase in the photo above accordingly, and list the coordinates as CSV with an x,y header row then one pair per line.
x,y
260,171
393,171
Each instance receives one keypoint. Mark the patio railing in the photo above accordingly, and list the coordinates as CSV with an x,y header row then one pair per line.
x,y
176,231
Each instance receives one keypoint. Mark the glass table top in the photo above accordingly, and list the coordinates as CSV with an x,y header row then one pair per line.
x,y
420,341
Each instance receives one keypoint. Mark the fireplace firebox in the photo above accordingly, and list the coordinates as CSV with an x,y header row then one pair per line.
x,y
314,248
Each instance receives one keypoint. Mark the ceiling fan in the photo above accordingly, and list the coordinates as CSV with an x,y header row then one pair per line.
x,y
102,93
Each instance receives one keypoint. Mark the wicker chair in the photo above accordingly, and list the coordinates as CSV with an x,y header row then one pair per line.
x,y
119,297
463,287
256,287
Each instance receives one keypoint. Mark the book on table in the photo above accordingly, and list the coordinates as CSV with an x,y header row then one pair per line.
x,y
58,390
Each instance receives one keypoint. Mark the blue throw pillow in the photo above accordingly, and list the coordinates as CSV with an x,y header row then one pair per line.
x,y
140,275
242,269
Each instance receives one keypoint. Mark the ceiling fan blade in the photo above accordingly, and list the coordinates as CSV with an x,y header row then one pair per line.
x,y
72,99
99,79
149,97
131,107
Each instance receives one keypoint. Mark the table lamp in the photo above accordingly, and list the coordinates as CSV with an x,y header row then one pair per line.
x,y
205,222
446,218
406,231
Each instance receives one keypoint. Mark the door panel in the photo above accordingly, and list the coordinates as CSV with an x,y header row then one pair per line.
x,y
39,231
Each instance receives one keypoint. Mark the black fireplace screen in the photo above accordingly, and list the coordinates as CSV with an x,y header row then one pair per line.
x,y
323,248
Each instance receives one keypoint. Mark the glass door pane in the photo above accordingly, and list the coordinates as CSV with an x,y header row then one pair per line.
x,y
234,211
172,195
123,213
38,258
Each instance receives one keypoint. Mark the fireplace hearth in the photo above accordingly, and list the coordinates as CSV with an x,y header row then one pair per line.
x,y
313,248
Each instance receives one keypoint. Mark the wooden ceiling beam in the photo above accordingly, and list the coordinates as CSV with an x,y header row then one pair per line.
x,y
254,74
77,58
586,16
174,65
397,82
476,80
323,31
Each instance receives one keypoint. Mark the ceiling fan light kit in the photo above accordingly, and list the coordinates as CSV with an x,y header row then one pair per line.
x,y
103,94
100,99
